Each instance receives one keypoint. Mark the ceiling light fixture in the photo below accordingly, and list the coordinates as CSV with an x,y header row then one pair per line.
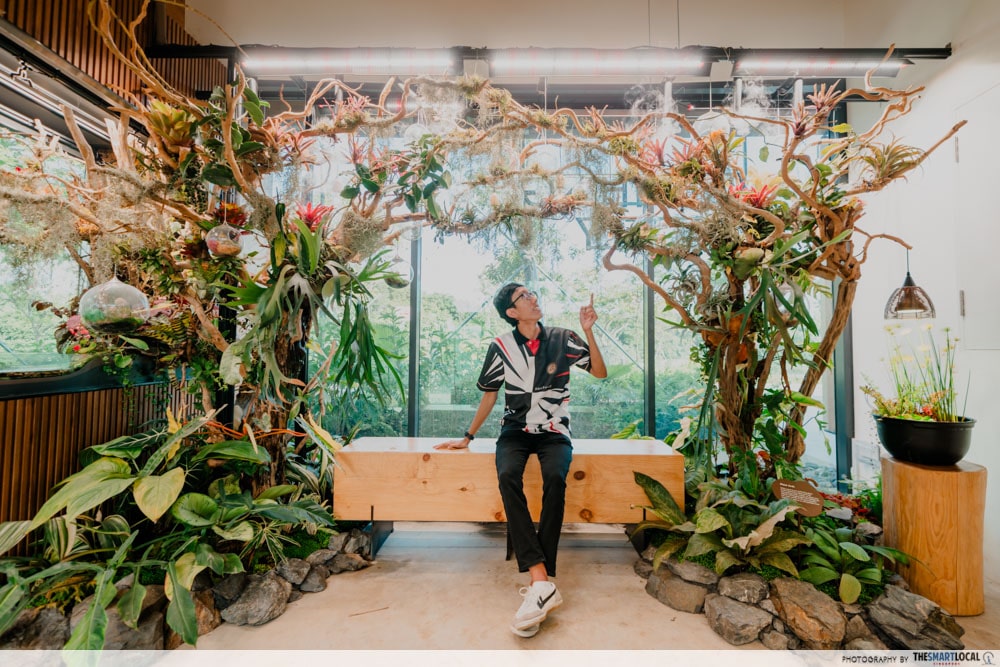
x,y
817,62
651,61
388,61
909,301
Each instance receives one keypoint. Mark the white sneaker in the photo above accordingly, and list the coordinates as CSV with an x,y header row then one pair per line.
x,y
527,632
539,599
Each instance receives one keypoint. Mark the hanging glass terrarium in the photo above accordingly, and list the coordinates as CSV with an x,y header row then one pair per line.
x,y
399,272
224,241
113,307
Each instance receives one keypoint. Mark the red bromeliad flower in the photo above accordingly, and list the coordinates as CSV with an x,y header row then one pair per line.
x,y
312,215
232,214
757,197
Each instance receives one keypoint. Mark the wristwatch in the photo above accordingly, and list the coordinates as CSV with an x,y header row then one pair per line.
x,y
470,436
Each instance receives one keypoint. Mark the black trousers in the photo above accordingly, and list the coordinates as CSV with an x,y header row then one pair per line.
x,y
554,452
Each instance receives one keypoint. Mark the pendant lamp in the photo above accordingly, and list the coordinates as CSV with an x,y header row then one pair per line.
x,y
909,301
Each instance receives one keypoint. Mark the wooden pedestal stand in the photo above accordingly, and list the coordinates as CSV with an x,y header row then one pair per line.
x,y
935,514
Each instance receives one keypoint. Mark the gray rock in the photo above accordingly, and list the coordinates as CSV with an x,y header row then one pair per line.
x,y
857,629
736,622
338,541
293,570
643,568
813,616
768,606
911,621
37,629
202,581
264,599
347,563
147,636
851,609
229,589
295,595
865,644
745,587
868,529
776,641
842,513
676,593
898,581
693,572
315,581
321,557
648,554
359,543
778,626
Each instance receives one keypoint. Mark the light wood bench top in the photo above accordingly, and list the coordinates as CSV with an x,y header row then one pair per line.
x,y
406,479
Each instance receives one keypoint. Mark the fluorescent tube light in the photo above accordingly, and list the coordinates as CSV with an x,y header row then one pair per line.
x,y
542,62
387,61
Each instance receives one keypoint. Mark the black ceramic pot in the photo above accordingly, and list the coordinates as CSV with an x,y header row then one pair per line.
x,y
926,443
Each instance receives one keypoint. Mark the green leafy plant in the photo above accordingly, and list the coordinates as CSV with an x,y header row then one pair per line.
x,y
737,530
923,378
137,506
741,531
841,556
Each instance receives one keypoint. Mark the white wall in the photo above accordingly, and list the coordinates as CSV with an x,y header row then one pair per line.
x,y
927,210
955,234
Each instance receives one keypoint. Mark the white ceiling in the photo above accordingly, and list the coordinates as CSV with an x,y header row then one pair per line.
x,y
583,23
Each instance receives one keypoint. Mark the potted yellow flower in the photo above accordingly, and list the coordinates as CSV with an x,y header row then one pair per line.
x,y
922,422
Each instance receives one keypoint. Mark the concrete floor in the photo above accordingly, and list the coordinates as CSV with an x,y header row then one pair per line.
x,y
448,587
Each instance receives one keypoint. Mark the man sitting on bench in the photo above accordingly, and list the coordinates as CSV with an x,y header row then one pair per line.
x,y
534,362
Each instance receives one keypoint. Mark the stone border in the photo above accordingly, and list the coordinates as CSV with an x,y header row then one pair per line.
x,y
788,613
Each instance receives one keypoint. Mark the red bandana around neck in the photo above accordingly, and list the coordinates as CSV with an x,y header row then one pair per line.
x,y
533,346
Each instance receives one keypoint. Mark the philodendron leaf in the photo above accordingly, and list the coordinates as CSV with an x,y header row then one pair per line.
x,y
196,509
89,632
850,589
762,532
241,532
233,450
156,493
130,605
103,479
218,563
185,568
181,616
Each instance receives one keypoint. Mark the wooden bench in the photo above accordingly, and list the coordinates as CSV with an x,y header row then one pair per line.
x,y
405,479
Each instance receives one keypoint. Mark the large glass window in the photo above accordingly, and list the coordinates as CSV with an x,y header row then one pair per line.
x,y
33,282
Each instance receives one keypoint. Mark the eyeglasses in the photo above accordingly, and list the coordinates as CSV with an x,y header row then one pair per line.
x,y
523,295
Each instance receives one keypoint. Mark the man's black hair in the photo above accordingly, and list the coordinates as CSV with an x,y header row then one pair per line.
x,y
502,301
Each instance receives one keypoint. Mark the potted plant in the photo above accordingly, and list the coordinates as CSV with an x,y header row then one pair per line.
x,y
922,422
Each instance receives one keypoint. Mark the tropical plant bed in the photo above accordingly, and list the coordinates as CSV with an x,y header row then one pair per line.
x,y
787,613
241,598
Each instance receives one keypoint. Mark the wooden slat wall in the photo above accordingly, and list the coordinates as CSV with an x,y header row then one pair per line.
x,y
63,26
41,437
